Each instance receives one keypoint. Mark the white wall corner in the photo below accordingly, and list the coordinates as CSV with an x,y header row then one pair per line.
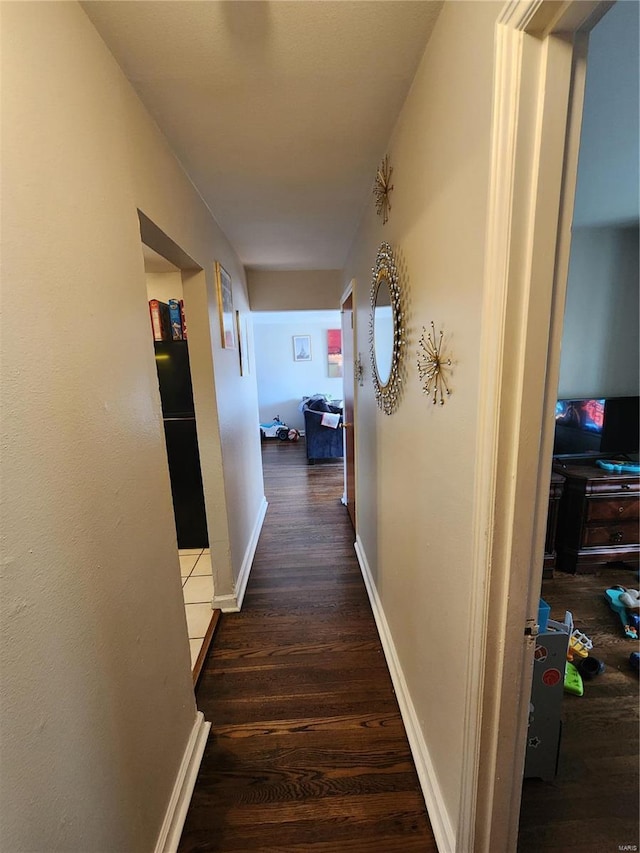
x,y
438,814
176,813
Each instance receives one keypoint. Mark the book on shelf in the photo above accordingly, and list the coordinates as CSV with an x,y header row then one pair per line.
x,y
160,321
183,320
175,319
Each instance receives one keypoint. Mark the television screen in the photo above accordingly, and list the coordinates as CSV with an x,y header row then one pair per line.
x,y
596,425
581,414
621,432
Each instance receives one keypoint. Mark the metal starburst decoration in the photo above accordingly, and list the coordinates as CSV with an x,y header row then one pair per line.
x,y
432,366
382,188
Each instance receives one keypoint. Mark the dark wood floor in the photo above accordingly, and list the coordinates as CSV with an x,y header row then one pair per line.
x,y
592,805
307,750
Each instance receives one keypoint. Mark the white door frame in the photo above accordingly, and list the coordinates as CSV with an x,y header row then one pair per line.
x,y
540,63
349,373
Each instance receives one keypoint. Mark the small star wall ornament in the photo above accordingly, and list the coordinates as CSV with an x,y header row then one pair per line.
x,y
432,366
382,188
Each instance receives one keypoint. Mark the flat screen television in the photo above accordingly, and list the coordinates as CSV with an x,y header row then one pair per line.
x,y
597,426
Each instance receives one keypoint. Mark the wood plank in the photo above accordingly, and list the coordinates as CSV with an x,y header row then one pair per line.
x,y
307,749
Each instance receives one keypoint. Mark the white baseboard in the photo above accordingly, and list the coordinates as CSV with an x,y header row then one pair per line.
x,y
176,813
438,815
226,603
245,569
233,602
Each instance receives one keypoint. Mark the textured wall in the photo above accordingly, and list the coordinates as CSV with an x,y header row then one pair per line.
x,y
97,702
415,467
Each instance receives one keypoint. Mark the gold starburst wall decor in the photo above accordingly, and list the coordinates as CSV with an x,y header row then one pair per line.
x,y
432,366
382,188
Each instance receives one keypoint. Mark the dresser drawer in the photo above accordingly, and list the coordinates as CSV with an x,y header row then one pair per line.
x,y
625,533
613,509
611,485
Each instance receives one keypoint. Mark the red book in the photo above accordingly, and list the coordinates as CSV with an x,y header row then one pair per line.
x,y
160,325
184,322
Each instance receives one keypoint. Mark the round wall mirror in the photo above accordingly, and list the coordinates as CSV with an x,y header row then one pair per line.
x,y
386,335
383,330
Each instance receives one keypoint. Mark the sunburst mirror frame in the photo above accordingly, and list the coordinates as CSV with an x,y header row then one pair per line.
x,y
387,393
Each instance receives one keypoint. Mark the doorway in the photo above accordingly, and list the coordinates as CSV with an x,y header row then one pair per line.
x,y
286,380
169,333
201,568
598,372
348,336
171,346
539,77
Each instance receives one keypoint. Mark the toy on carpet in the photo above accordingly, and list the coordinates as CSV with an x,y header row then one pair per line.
x,y
579,645
580,664
573,680
614,596
589,667
631,599
277,429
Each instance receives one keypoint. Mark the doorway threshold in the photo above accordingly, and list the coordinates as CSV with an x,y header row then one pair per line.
x,y
204,648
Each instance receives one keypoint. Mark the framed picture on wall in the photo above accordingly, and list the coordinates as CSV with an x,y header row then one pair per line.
x,y
243,351
334,353
225,307
302,347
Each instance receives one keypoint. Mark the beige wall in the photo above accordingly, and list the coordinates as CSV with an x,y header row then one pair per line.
x,y
294,290
97,704
600,337
164,285
415,468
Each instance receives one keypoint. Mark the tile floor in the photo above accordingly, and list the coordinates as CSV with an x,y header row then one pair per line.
x,y
197,591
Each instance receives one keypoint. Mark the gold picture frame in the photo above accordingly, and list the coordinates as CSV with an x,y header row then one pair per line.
x,y
224,289
243,353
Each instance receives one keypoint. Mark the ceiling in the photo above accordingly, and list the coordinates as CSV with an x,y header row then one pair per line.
x,y
279,111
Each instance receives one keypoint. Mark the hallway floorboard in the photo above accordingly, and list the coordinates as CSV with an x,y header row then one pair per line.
x,y
307,750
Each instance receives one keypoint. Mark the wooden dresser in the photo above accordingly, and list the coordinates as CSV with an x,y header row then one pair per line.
x,y
598,517
555,494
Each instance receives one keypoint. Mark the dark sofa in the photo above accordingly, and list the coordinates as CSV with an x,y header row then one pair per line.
x,y
322,442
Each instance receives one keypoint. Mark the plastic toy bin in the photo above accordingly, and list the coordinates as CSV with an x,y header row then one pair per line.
x,y
543,615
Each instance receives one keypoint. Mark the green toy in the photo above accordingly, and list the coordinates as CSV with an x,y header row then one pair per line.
x,y
573,680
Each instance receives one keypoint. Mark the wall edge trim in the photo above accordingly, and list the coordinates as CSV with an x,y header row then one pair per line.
x,y
247,563
176,813
225,603
438,814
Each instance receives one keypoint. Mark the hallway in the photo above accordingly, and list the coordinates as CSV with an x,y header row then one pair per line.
x,y
307,749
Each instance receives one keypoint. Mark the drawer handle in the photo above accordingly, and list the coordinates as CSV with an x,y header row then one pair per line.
x,y
620,509
616,537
